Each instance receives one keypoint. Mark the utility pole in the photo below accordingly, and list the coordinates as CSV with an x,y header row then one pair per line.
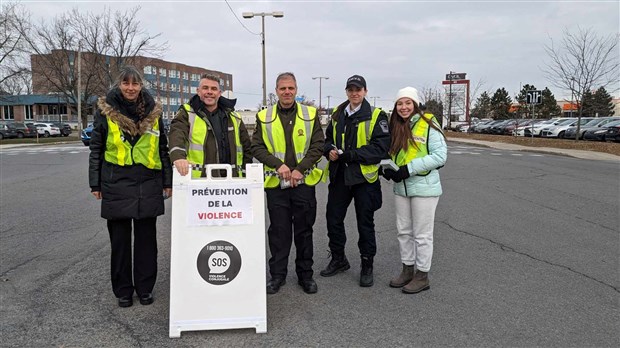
x,y
79,92
329,96
450,103
321,78
374,101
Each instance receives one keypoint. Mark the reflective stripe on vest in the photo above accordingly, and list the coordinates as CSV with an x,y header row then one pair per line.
x,y
198,128
420,132
364,132
145,151
275,141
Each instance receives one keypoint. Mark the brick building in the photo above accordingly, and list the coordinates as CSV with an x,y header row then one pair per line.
x,y
171,83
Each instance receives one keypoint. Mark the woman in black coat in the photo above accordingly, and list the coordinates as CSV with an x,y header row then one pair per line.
x,y
130,172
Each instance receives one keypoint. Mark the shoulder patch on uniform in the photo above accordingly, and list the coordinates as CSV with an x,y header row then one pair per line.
x,y
384,126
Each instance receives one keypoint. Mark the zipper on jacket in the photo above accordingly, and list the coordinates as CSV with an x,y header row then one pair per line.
x,y
217,150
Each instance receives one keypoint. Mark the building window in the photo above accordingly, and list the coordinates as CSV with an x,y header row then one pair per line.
x,y
185,76
227,84
149,69
195,77
8,112
28,112
162,72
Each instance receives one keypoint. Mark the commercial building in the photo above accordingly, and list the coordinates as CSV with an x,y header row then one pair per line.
x,y
171,83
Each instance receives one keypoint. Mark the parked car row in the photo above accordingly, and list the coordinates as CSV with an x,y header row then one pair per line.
x,y
607,132
16,130
594,124
601,129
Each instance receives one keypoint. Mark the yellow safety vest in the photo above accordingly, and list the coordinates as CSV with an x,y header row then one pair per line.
x,y
273,136
420,133
364,132
198,128
120,152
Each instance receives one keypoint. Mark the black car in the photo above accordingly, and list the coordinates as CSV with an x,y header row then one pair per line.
x,y
613,133
65,128
600,133
6,132
22,131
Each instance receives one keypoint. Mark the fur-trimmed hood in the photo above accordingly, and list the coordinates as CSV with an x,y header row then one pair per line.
x,y
127,124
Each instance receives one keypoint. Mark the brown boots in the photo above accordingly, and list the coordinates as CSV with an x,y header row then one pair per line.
x,y
411,280
405,277
419,283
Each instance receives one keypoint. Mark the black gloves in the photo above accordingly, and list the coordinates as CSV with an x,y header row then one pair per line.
x,y
401,174
347,156
388,174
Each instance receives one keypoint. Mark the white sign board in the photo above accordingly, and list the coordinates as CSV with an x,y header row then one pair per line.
x,y
217,252
220,204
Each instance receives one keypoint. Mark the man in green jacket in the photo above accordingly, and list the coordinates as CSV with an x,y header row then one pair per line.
x,y
206,130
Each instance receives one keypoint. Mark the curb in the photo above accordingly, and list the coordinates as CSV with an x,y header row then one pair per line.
x,y
10,146
591,155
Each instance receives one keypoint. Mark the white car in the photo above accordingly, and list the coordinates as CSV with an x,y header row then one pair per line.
x,y
538,127
47,129
558,130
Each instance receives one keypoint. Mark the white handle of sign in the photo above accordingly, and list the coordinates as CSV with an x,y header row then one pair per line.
x,y
225,166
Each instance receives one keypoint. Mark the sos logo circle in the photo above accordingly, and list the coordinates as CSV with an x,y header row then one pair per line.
x,y
219,262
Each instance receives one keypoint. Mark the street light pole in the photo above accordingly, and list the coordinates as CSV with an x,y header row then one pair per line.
x,y
374,101
320,87
277,14
79,93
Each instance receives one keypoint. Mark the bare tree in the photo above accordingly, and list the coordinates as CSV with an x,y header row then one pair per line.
x,y
103,43
13,62
583,60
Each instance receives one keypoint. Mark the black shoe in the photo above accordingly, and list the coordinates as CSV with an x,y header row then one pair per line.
x,y
366,278
337,264
146,299
125,301
309,286
273,286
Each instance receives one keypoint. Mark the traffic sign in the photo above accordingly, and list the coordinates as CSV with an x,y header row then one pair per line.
x,y
534,97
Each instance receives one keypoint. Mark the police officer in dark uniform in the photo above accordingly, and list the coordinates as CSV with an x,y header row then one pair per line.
x,y
356,140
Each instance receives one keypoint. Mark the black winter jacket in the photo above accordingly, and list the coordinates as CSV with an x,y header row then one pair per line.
x,y
132,191
371,153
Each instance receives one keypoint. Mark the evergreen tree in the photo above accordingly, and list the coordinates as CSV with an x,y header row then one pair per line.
x,y
549,107
603,105
482,108
500,103
588,104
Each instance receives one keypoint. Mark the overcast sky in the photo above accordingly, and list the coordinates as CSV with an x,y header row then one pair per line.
x,y
392,44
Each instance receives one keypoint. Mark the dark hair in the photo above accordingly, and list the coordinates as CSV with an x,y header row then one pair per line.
x,y
400,131
286,75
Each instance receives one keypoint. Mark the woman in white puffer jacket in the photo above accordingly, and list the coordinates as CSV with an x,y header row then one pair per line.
x,y
419,148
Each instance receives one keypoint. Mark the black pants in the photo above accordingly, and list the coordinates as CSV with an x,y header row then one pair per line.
x,y
368,199
292,213
144,256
